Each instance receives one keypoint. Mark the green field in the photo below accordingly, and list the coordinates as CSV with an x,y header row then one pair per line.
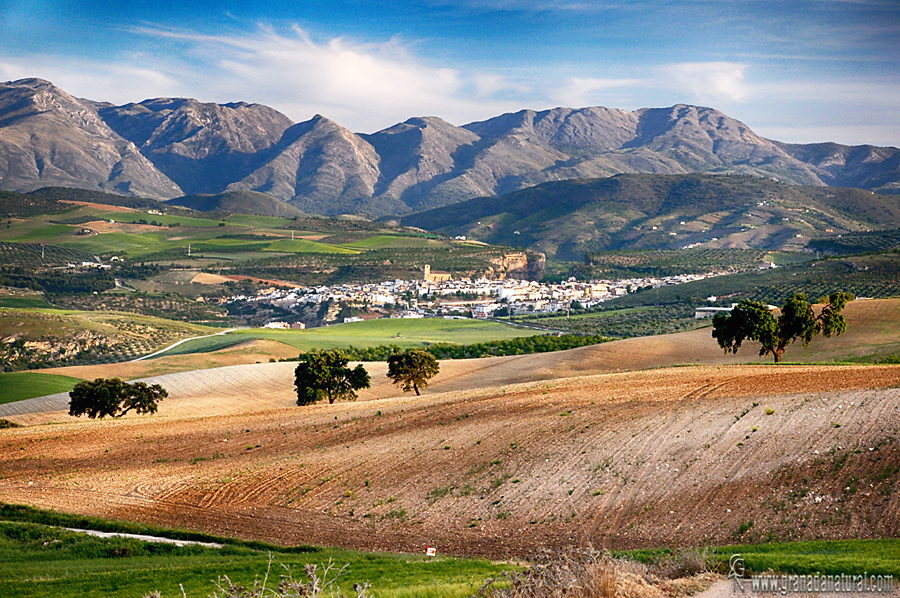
x,y
853,557
306,246
38,560
35,230
405,333
164,219
18,386
385,241
24,302
258,221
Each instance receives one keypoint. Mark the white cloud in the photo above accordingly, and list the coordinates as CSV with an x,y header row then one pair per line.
x,y
362,86
577,92
103,81
709,82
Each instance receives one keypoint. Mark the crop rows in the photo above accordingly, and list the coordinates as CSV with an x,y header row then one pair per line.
x,y
625,323
172,307
29,255
20,205
624,264
875,241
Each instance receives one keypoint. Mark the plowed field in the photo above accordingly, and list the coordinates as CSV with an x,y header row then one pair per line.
x,y
669,456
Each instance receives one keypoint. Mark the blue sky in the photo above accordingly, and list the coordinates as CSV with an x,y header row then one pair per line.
x,y
803,72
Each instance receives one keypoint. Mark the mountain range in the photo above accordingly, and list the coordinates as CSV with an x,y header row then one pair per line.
x,y
168,148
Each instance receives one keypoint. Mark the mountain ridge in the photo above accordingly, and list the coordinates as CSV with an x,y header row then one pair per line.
x,y
171,147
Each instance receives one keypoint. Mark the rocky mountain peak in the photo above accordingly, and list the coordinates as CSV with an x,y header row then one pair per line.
x,y
166,147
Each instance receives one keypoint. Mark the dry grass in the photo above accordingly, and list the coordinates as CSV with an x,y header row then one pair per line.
x,y
592,574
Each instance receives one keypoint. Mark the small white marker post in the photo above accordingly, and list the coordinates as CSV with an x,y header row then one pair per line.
x,y
430,551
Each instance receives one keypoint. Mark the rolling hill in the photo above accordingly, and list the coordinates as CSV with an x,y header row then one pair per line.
x,y
239,202
567,219
676,456
169,147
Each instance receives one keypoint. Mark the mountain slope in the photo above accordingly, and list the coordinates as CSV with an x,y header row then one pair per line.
x,y
49,138
568,218
202,147
319,167
168,147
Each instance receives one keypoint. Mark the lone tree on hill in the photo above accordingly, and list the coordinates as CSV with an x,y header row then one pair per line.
x,y
412,368
113,397
754,320
324,374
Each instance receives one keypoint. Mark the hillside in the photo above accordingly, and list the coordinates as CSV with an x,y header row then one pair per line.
x,y
238,202
169,147
872,333
701,455
567,219
500,454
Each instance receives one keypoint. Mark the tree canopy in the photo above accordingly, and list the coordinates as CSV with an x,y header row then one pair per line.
x,y
324,374
412,369
754,321
113,397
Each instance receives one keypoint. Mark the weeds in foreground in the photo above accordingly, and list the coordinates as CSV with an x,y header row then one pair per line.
x,y
592,574
313,583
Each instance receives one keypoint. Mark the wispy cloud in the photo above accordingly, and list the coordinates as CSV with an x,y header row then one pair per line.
x,y
365,86
709,82
93,79
587,91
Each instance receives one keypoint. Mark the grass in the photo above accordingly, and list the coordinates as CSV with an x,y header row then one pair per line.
x,y
258,221
38,560
382,241
209,344
18,386
34,231
853,557
406,333
306,246
164,219
27,301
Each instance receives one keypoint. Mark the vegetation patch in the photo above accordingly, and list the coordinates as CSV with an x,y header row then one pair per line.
x,y
19,386
39,560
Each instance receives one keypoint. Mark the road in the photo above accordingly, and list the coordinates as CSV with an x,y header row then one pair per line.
x,y
181,342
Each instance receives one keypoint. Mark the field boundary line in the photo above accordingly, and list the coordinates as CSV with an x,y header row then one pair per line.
x,y
182,341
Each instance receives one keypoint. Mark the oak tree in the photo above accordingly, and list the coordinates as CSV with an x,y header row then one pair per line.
x,y
324,374
113,397
412,369
754,321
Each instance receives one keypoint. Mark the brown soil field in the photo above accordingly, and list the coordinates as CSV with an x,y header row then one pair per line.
x,y
673,456
103,227
99,206
598,446
207,278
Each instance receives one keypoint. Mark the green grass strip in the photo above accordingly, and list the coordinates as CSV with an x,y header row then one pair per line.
x,y
18,386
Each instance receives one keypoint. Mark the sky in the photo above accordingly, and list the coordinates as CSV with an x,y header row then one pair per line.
x,y
804,71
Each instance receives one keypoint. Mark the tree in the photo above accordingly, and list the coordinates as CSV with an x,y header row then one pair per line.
x,y
754,320
113,397
324,374
413,369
